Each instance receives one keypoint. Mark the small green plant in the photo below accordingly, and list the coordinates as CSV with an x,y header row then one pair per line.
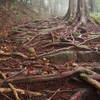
x,y
12,7
3,7
0,24
25,12
96,16
18,16
35,9
10,22
34,17
17,29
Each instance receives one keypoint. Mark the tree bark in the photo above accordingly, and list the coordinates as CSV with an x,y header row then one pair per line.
x,y
71,10
81,13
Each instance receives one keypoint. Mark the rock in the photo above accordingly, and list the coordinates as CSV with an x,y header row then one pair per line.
x,y
23,38
76,34
62,57
31,50
98,46
88,56
5,35
20,40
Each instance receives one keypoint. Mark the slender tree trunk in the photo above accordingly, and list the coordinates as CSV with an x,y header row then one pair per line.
x,y
93,6
50,6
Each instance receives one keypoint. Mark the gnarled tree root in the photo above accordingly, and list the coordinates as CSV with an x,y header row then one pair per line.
x,y
14,55
91,81
42,78
21,91
81,94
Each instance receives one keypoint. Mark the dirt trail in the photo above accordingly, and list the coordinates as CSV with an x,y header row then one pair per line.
x,y
47,56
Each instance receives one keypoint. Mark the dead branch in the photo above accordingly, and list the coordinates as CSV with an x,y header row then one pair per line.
x,y
53,94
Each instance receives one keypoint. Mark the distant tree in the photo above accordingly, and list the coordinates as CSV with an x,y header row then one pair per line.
x,y
93,6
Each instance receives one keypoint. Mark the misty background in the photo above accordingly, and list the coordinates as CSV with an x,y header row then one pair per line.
x,y
51,8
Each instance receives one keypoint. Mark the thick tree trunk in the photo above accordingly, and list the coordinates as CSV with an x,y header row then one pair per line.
x,y
81,13
71,13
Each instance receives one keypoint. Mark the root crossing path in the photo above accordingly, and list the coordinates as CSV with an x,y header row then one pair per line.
x,y
50,59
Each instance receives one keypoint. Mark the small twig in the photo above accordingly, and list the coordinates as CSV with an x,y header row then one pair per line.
x,y
53,94
6,96
31,40
16,74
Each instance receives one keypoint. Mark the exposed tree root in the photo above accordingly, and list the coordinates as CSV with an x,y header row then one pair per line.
x,y
81,94
91,81
13,55
14,91
43,78
95,77
21,91
91,40
40,36
67,44
11,86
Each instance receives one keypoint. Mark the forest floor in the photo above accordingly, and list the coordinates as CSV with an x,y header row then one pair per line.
x,y
48,60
